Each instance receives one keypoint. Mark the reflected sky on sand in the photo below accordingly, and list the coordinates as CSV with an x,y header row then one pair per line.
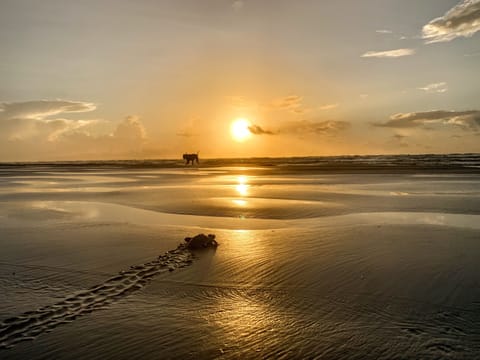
x,y
54,211
309,265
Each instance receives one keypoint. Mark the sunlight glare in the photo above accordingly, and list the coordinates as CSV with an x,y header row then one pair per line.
x,y
240,130
240,202
242,186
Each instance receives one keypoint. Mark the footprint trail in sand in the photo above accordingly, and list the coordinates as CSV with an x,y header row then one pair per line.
x,y
30,324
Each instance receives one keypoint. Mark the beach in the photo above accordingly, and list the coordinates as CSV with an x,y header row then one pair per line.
x,y
332,258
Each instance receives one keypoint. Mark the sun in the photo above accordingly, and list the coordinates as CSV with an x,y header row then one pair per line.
x,y
240,129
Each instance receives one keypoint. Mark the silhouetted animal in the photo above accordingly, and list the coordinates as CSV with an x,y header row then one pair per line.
x,y
190,158
201,241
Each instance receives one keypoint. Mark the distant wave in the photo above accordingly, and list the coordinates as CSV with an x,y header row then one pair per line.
x,y
469,161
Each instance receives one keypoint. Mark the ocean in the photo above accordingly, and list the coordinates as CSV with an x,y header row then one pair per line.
x,y
349,257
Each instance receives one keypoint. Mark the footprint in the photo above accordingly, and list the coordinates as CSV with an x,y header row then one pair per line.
x,y
33,323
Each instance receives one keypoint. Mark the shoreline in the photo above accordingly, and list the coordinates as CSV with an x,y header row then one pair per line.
x,y
464,163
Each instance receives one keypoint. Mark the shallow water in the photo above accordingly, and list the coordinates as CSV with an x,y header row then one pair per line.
x,y
312,264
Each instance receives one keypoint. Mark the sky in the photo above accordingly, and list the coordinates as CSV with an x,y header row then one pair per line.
x,y
122,79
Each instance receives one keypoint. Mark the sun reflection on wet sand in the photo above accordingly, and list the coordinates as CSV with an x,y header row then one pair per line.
x,y
240,202
245,321
242,186
245,249
247,317
308,265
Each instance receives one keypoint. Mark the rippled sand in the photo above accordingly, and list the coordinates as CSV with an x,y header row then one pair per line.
x,y
312,264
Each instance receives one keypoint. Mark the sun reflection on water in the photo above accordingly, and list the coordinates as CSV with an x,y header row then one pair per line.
x,y
242,186
240,202
246,320
245,314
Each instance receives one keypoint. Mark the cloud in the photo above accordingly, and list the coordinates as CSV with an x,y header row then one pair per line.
x,y
389,53
303,127
34,130
463,20
295,105
467,120
32,119
399,136
41,109
185,133
440,87
328,106
327,127
258,130
127,140
384,31
50,130
290,102
238,5
130,129
400,140
237,101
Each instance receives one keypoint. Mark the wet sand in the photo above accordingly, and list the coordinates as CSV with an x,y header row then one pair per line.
x,y
312,264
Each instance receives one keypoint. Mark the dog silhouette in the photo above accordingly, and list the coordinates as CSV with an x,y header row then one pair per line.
x,y
190,158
